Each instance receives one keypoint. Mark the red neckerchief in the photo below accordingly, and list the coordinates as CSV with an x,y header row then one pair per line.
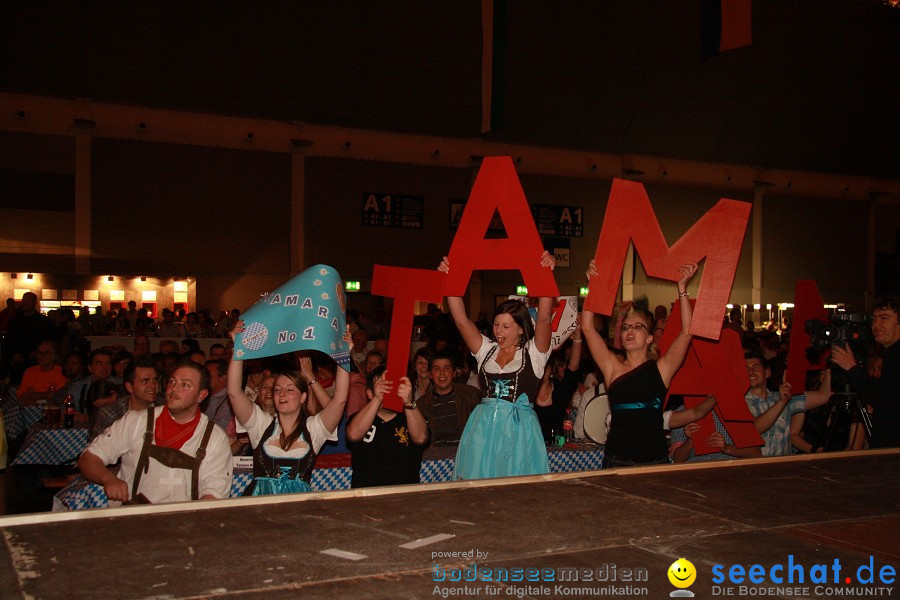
x,y
326,382
171,434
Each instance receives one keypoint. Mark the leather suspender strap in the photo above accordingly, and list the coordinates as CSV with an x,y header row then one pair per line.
x,y
201,454
143,464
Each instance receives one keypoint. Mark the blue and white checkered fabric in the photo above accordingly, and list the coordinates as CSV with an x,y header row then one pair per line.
x,y
563,461
331,479
18,418
434,471
81,495
52,447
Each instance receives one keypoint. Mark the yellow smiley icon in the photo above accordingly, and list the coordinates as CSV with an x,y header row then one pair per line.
x,y
682,573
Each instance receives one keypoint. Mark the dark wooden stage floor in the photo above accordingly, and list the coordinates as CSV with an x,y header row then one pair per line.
x,y
347,545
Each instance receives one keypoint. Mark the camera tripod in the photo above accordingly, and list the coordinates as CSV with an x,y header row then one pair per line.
x,y
843,408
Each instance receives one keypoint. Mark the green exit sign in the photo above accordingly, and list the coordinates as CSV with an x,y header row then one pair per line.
x,y
351,286
521,290
582,291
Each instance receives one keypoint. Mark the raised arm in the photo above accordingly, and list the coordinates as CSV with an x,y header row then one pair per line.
x,y
470,334
601,354
362,421
415,421
683,417
577,343
543,327
765,421
816,398
670,363
331,414
241,405
318,397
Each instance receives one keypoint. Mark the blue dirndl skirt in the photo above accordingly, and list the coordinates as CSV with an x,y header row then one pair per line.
x,y
501,439
270,486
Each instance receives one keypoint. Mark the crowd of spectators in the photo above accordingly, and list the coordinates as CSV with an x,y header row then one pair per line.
x,y
43,357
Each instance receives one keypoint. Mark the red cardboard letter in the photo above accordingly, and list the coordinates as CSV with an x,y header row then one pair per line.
x,y
497,188
716,368
717,237
807,306
405,286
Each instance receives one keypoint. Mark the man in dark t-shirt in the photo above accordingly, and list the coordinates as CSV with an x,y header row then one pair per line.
x,y
386,447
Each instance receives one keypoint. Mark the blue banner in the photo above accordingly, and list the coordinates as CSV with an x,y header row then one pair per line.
x,y
306,313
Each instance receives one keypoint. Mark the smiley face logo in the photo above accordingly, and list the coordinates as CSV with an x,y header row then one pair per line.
x,y
682,573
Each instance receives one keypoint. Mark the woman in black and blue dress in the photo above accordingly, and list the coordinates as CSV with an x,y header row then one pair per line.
x,y
638,382
502,436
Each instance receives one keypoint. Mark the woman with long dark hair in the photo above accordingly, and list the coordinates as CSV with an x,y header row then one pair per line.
x,y
502,436
285,445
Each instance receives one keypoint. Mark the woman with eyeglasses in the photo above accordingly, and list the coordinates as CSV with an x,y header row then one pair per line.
x,y
638,382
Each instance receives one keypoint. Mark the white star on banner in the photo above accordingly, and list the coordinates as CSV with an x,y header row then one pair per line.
x,y
323,271
325,296
317,282
238,353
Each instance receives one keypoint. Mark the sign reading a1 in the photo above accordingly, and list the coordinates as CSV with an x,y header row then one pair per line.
x,y
392,210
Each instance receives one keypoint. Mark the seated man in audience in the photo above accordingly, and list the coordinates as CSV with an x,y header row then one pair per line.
x,y
360,344
447,404
43,378
216,406
100,364
374,359
772,411
184,457
141,345
682,448
168,328
217,352
386,446
142,385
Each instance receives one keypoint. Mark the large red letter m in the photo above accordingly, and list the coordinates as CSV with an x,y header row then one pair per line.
x,y
717,237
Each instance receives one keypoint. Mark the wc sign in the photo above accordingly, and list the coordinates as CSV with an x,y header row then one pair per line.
x,y
559,248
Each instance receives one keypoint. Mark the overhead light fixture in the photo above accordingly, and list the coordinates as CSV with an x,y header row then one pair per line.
x,y
30,276
143,278
13,275
110,278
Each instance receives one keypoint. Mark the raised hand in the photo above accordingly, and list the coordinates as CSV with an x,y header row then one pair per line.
x,y
784,392
306,368
687,272
382,387
405,390
547,260
444,267
690,429
238,328
591,270
716,440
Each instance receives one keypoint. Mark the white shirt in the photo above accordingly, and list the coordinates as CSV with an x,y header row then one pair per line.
x,y
538,359
259,421
125,438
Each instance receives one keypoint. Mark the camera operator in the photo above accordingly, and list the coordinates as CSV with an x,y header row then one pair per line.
x,y
882,393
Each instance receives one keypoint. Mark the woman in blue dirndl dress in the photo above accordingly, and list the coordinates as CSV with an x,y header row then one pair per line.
x,y
502,436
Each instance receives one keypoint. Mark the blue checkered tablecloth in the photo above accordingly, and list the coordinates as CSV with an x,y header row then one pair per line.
x,y
16,417
437,467
52,446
